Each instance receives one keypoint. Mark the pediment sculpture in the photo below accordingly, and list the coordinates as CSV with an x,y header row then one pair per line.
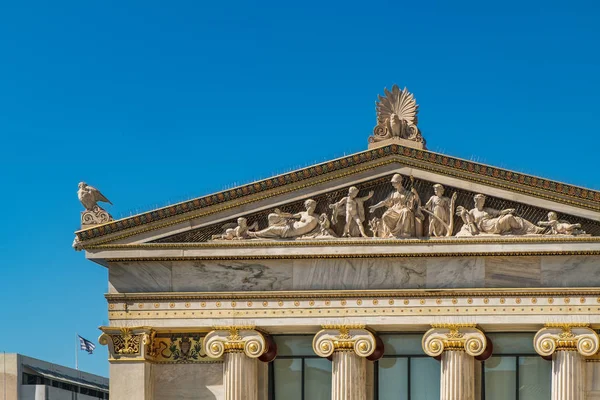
x,y
89,197
396,116
399,214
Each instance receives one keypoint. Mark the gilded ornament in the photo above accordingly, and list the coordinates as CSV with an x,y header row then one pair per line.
x,y
566,337
456,337
345,338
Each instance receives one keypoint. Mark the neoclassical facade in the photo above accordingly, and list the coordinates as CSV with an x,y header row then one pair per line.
x,y
393,273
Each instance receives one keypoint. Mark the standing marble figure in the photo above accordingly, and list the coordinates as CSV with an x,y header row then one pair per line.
x,y
440,209
354,209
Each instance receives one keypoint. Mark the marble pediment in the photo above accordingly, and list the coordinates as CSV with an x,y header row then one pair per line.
x,y
393,196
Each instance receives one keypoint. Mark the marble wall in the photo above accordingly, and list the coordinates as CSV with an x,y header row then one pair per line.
x,y
353,274
188,381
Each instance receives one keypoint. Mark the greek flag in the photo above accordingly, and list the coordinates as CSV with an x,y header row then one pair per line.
x,y
86,345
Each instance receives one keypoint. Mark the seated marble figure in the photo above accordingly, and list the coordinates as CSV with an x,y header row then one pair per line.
x,y
486,220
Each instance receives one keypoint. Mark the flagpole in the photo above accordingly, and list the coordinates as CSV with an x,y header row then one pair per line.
x,y
76,351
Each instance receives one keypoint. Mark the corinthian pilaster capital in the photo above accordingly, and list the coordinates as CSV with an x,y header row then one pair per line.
x,y
463,337
229,339
567,336
347,338
128,343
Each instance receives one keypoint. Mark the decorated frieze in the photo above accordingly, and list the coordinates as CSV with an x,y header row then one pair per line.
x,y
147,344
520,306
409,209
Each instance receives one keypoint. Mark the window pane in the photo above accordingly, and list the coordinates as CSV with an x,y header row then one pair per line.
x,y
500,378
287,374
393,378
512,343
535,375
317,379
403,344
425,378
294,345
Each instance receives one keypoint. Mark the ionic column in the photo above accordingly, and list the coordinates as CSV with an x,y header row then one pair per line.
x,y
242,346
458,345
130,355
349,348
567,344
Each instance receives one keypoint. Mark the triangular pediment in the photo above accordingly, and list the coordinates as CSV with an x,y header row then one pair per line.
x,y
204,220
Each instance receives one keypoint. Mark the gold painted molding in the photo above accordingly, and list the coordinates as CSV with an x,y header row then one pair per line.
x,y
362,256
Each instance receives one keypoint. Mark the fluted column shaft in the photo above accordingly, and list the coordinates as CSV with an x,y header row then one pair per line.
x,y
241,347
568,376
458,376
240,376
349,376
458,345
349,348
568,344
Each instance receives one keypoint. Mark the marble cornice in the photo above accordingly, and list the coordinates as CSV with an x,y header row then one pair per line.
x,y
351,241
341,294
423,159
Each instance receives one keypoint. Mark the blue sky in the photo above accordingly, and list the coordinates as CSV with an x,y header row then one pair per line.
x,y
157,102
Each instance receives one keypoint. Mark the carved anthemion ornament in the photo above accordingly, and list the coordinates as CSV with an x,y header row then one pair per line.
x,y
397,116
128,343
89,197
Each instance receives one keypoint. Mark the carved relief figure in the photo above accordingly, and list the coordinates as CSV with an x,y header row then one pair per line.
x,y
560,227
324,231
353,207
236,232
486,220
397,116
400,218
285,225
376,226
440,210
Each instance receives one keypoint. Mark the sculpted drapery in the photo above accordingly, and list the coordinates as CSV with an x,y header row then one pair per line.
x,y
402,216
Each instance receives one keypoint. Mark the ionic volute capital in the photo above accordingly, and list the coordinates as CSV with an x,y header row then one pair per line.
x,y
566,337
128,343
347,338
458,337
228,339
